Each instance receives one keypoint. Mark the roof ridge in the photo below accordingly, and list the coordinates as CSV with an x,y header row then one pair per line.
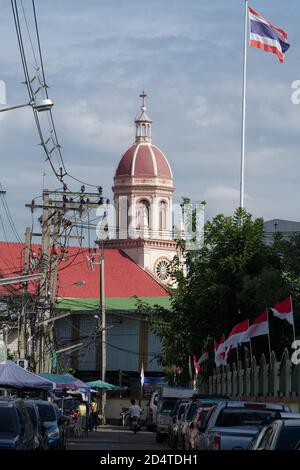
x,y
146,271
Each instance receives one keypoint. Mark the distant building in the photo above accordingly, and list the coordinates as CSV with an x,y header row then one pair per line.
x,y
287,228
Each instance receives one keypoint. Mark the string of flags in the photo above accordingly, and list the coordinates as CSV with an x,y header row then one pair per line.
x,y
243,332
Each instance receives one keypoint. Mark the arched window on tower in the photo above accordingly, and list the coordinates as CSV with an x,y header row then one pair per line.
x,y
143,214
162,215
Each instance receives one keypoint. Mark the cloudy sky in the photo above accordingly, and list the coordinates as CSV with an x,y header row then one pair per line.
x,y
187,55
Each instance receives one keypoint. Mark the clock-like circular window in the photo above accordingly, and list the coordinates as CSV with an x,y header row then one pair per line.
x,y
162,270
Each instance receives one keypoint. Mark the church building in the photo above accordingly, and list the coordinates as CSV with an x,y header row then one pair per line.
x,y
136,265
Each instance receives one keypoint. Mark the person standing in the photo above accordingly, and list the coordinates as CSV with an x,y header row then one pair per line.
x,y
82,411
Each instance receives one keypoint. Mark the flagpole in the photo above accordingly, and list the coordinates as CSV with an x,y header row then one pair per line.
x,y
242,174
269,340
294,331
250,351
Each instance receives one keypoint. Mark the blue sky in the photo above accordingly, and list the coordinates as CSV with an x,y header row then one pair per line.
x,y
187,55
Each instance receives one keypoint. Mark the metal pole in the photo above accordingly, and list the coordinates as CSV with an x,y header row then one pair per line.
x,y
46,229
103,326
242,175
294,331
269,340
14,107
251,353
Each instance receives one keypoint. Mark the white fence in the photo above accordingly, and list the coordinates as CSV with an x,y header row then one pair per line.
x,y
257,379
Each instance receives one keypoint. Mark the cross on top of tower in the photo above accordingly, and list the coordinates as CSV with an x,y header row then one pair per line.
x,y
143,95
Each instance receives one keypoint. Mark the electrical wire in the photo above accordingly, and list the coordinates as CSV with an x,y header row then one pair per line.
x,y
58,173
8,214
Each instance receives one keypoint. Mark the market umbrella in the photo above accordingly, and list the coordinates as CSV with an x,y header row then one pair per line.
x,y
101,384
14,376
66,381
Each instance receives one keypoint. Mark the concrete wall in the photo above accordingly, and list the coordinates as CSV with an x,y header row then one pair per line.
x,y
129,343
115,405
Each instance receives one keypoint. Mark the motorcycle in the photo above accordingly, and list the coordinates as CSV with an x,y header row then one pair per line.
x,y
135,424
124,415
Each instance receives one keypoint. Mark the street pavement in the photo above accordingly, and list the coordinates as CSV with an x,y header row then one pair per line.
x,y
116,438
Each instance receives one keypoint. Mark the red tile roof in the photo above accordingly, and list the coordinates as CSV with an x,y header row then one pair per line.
x,y
123,277
144,159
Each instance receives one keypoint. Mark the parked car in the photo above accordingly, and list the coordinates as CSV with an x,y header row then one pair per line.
x,y
40,431
282,434
16,431
152,412
233,424
196,426
186,419
168,397
54,423
176,416
260,438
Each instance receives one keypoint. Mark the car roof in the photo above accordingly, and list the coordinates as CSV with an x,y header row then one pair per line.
x,y
289,423
241,404
8,401
285,415
42,402
30,403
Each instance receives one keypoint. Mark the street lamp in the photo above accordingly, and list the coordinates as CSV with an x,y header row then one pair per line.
x,y
80,283
42,105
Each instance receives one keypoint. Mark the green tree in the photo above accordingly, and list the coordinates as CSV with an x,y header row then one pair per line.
x,y
234,276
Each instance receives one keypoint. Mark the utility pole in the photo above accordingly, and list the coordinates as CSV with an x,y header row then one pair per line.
x,y
45,261
103,326
22,324
53,285
52,221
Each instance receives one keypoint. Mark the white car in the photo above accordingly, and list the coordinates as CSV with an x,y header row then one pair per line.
x,y
152,411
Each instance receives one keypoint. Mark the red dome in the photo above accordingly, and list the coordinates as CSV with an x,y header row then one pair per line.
x,y
144,159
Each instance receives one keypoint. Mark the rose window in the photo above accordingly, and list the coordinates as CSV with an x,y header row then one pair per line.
x,y
163,270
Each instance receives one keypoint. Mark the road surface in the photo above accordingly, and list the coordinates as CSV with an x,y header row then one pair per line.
x,y
116,438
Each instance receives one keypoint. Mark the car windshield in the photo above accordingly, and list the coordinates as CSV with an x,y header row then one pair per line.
x,y
288,438
167,406
192,411
32,415
230,417
203,417
181,411
7,421
47,412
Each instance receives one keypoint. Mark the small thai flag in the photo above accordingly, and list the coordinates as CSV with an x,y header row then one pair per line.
x,y
264,35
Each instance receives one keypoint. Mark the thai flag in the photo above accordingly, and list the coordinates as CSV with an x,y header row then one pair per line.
x,y
264,35
258,328
220,352
236,335
284,310
196,366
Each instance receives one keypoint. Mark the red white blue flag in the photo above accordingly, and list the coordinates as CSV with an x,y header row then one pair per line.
x,y
264,35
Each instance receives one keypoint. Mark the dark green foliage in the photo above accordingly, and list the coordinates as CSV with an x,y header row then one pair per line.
x,y
234,276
